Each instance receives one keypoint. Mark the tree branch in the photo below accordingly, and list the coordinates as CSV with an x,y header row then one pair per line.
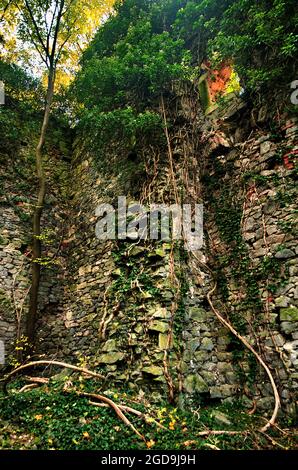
x,y
56,32
52,22
28,7
117,409
7,378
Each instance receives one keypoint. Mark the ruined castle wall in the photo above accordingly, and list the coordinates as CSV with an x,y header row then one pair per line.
x,y
138,311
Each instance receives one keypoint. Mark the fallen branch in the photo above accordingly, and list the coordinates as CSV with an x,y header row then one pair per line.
x,y
37,380
211,446
27,387
146,418
218,433
6,379
113,405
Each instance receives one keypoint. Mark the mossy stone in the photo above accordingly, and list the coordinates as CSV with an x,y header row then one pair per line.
x,y
198,314
153,370
195,383
289,314
160,326
111,358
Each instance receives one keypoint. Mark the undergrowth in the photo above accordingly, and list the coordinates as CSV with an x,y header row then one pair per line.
x,y
55,417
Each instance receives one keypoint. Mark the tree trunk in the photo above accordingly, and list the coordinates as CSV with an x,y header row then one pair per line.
x,y
36,245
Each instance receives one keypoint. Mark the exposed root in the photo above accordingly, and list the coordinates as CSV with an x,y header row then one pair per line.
x,y
115,407
258,357
102,326
7,378
218,433
128,409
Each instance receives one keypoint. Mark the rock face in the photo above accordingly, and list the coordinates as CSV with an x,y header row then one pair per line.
x,y
253,240
119,304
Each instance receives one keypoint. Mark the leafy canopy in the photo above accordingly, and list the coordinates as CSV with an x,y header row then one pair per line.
x,y
147,44
258,36
133,58
33,23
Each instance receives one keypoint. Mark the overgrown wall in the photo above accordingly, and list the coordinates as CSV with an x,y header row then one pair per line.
x,y
138,311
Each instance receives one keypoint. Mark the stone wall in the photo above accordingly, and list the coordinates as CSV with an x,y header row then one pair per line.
x,y
138,310
16,201
250,194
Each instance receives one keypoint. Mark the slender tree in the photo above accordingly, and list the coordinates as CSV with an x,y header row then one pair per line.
x,y
50,27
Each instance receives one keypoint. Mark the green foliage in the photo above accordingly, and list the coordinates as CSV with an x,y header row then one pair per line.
x,y
131,61
129,275
48,418
257,35
19,84
124,125
18,117
146,45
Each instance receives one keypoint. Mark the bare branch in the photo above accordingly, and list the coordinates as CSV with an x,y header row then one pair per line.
x,y
52,22
218,433
28,7
61,47
6,378
56,32
117,409
146,418
44,59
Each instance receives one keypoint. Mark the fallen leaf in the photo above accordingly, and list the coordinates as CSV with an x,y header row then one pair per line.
x,y
150,444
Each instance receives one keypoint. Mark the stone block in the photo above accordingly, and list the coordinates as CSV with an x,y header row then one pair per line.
x,y
195,383
163,341
289,314
110,358
207,344
153,370
282,301
198,314
109,346
265,147
222,391
221,418
286,253
160,326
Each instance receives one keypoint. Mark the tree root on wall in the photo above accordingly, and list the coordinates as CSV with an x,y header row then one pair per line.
x,y
248,346
258,357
